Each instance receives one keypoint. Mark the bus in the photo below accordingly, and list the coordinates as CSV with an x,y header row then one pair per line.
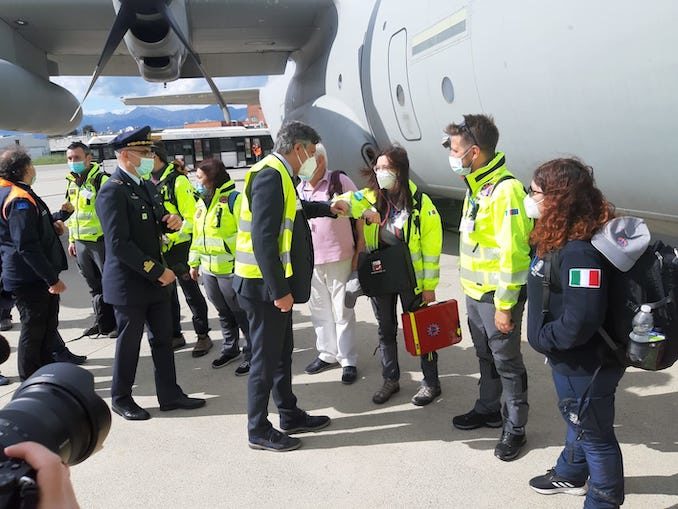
x,y
232,144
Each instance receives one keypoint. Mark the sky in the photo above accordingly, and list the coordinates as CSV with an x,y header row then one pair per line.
x,y
106,94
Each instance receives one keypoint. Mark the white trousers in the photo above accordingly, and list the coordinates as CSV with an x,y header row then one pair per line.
x,y
334,323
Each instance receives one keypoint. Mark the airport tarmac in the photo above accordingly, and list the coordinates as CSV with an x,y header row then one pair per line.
x,y
394,455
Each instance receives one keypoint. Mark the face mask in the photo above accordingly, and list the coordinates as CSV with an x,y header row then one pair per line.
x,y
200,189
307,167
77,167
458,166
386,179
145,167
532,207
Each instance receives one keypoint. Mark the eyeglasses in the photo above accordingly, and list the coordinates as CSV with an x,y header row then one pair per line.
x,y
468,130
532,192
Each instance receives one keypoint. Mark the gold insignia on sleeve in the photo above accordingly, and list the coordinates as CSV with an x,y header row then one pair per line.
x,y
148,265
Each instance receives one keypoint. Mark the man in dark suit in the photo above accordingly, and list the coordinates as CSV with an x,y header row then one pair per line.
x,y
135,281
274,264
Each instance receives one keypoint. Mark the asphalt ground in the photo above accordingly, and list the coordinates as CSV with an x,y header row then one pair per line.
x,y
394,455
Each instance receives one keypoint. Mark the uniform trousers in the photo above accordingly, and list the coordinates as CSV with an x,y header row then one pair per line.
x,y
591,447
271,366
219,290
503,379
177,260
90,257
385,310
334,323
131,321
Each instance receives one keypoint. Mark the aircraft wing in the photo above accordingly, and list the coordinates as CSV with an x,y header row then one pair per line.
x,y
241,96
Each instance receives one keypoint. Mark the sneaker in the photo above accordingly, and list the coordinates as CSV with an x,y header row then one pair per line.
x,y
306,422
92,331
243,369
551,483
6,324
66,355
353,291
473,420
178,341
225,359
318,366
426,395
387,390
275,441
349,374
4,380
202,346
509,446
113,334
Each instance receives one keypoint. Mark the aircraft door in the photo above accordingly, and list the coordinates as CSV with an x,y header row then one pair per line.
x,y
400,87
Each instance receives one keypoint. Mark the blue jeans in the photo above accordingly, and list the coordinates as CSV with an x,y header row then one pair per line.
x,y
591,448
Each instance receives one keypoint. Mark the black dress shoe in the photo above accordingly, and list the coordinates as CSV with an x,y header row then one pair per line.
x,y
349,374
183,403
67,356
131,411
318,366
509,446
305,423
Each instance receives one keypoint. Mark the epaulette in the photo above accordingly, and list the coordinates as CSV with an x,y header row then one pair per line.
x,y
116,181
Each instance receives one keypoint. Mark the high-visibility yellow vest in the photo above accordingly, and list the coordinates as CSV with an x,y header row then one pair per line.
x,y
178,198
425,240
245,261
214,232
84,223
494,253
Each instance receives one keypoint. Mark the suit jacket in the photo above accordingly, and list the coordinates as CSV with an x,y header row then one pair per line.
x,y
131,219
267,205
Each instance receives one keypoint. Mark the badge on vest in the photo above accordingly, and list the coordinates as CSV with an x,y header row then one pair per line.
x,y
467,225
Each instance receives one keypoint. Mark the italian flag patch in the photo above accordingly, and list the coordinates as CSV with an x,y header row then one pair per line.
x,y
585,278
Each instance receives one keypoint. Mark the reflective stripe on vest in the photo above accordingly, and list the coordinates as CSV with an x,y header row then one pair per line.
x,y
84,224
245,262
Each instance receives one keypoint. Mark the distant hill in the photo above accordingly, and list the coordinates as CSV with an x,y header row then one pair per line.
x,y
157,118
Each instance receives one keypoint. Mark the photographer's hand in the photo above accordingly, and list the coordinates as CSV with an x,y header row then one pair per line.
x,y
53,477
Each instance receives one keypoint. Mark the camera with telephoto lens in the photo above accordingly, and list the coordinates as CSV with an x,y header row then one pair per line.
x,y
58,408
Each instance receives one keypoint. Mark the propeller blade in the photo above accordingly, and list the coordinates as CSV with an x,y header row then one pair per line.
x,y
169,16
122,23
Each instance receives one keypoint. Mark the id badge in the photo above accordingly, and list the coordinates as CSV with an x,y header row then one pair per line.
x,y
87,193
467,225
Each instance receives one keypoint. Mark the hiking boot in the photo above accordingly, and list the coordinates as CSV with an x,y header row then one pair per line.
x,y
551,483
92,331
353,291
243,369
178,341
318,366
473,420
349,374
225,359
509,446
426,395
6,324
387,390
202,346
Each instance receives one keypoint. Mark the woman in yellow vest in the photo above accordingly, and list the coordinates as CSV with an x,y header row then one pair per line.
x,y
407,215
212,253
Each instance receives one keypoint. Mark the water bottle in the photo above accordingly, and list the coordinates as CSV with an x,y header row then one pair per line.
x,y
642,325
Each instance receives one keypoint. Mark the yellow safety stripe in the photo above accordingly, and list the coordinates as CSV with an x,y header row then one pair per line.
x,y
415,334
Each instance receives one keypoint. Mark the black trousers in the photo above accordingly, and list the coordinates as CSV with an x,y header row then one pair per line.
x,y
271,366
39,336
131,321
177,260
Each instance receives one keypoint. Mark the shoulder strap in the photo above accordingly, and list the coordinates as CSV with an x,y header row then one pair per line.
x,y
97,179
502,179
231,200
334,186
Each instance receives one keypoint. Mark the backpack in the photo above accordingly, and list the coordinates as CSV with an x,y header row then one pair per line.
x,y
642,273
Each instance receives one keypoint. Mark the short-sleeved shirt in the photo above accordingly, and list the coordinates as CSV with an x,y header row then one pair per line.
x,y
332,238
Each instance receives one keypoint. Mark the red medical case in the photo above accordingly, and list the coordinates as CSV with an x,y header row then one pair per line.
x,y
432,327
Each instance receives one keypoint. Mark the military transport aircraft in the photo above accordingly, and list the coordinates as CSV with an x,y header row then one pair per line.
x,y
592,79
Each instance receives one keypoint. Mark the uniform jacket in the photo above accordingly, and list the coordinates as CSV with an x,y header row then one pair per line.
x,y
576,310
131,220
267,208
31,250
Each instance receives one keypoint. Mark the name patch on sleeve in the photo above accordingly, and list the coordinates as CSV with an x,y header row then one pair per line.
x,y
585,278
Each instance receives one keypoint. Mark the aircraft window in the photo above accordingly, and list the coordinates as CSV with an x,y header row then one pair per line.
x,y
400,95
448,89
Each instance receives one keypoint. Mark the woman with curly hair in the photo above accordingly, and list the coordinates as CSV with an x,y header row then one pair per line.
x,y
569,209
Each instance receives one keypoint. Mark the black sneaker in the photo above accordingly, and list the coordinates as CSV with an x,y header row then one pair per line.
x,y
305,423
473,420
551,483
6,324
349,374
509,446
318,366
275,441
225,359
92,331
243,369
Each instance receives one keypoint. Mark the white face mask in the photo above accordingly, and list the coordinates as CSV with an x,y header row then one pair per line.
x,y
458,166
307,167
385,179
532,207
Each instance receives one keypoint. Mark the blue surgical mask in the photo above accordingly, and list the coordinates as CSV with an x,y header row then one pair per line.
x,y
77,167
200,189
145,167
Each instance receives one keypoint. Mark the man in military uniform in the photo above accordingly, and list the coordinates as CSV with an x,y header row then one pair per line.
x,y
135,280
85,236
179,198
